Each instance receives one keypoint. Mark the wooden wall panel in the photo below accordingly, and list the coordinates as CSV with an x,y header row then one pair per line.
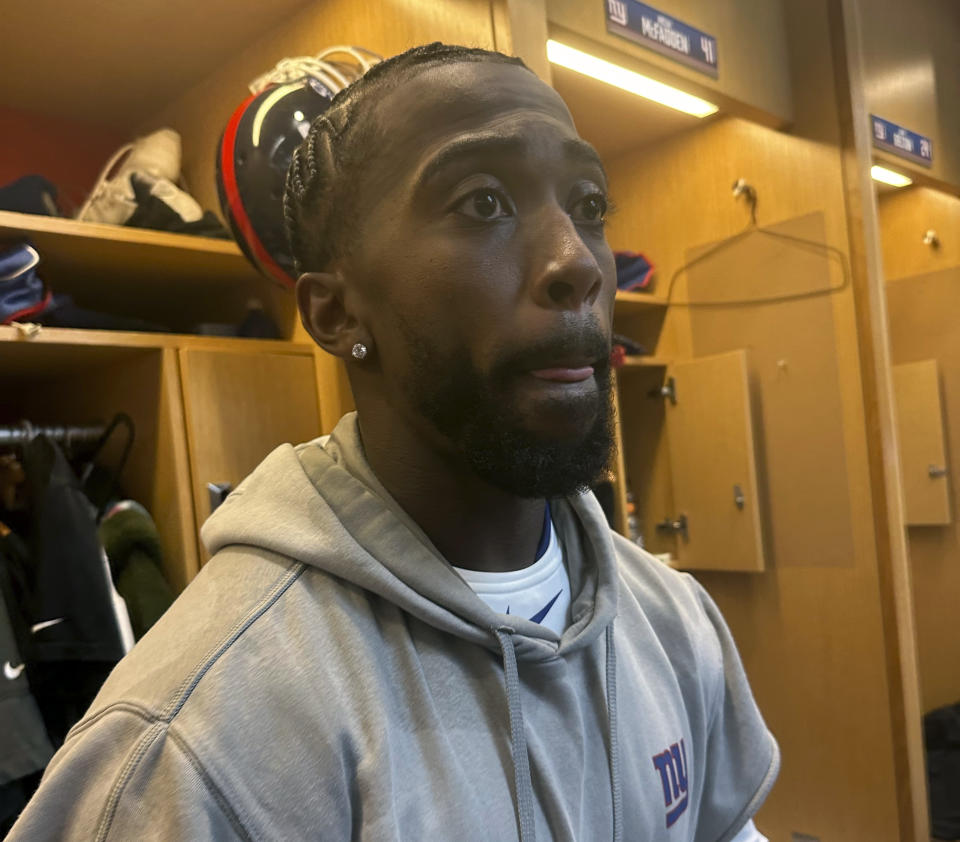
x,y
238,408
923,458
753,81
921,328
520,29
905,216
333,389
793,366
117,62
646,455
34,143
824,624
912,66
923,325
713,464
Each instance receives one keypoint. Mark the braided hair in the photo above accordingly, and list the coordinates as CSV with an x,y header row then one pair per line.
x,y
319,196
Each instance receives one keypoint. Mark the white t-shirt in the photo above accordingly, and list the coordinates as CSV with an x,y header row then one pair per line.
x,y
540,592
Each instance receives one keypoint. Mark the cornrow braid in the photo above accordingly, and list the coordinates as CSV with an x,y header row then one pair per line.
x,y
319,202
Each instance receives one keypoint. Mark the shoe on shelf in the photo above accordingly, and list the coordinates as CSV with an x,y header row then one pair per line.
x,y
155,158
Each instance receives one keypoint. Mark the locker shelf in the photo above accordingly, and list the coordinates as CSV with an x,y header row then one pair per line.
x,y
73,337
644,362
637,302
115,253
175,280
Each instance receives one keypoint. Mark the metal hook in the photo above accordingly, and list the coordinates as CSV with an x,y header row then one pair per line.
x,y
742,188
931,238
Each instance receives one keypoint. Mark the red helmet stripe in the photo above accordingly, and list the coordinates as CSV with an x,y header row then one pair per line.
x,y
232,191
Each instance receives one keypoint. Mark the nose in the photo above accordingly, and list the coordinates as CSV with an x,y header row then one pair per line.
x,y
565,274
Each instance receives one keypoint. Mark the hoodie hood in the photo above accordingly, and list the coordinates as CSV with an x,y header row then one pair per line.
x,y
321,504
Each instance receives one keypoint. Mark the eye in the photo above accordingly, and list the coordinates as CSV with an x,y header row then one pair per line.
x,y
592,208
484,204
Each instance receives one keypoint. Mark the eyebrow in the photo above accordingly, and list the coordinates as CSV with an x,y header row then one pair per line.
x,y
486,145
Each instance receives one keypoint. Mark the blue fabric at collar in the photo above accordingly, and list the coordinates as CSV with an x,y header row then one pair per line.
x,y
545,534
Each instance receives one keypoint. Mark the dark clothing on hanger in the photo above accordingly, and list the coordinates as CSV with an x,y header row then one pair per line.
x,y
133,546
67,564
25,748
941,737
64,619
14,797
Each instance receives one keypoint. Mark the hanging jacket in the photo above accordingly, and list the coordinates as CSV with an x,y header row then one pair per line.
x,y
71,629
329,676
24,745
941,739
132,544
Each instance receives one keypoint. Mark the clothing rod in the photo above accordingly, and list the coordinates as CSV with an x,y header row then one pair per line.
x,y
22,433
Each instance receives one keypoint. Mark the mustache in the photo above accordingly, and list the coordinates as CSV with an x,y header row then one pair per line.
x,y
585,341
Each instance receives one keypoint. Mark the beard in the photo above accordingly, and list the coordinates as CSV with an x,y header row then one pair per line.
x,y
478,414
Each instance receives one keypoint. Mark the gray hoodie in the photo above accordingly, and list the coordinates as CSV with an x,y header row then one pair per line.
x,y
329,676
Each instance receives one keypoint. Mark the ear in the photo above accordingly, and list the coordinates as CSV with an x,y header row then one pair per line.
x,y
320,298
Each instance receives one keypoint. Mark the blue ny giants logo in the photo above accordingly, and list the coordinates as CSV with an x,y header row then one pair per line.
x,y
672,766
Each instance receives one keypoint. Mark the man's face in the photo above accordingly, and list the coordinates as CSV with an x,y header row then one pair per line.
x,y
484,277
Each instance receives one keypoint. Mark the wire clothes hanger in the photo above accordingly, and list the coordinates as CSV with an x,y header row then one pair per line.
x,y
741,188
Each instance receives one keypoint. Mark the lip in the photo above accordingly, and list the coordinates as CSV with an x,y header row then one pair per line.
x,y
564,374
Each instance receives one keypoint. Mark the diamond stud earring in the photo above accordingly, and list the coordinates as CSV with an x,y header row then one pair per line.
x,y
359,351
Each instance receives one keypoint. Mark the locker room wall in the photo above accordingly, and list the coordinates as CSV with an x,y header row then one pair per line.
x,y
816,640
923,303
912,66
825,622
38,143
751,35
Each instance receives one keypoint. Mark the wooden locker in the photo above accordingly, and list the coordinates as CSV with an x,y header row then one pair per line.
x,y
239,406
923,454
713,465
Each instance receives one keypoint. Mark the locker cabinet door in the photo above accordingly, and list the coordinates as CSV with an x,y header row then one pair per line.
x,y
239,406
923,455
713,466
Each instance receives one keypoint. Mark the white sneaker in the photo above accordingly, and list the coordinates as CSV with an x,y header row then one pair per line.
x,y
156,156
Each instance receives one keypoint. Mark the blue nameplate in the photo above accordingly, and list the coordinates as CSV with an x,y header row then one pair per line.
x,y
900,141
667,35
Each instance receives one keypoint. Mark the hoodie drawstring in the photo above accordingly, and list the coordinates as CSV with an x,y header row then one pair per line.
x,y
614,742
518,739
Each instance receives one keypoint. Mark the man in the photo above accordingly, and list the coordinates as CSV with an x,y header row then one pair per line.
x,y
422,627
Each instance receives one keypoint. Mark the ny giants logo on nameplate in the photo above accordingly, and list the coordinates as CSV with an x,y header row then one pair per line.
x,y
672,766
666,35
900,141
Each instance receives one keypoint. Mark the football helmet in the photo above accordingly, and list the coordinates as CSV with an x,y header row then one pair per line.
x,y
259,140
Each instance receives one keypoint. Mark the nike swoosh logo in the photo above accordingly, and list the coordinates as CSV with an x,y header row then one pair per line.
x,y
45,624
538,617
12,672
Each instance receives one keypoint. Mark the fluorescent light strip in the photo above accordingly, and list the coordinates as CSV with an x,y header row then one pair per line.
x,y
627,80
885,176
